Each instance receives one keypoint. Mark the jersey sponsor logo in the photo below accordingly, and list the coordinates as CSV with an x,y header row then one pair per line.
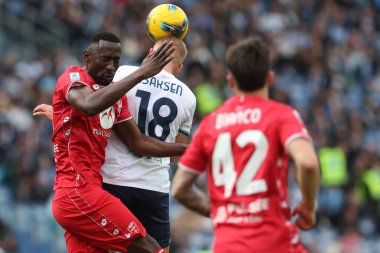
x,y
101,132
241,212
74,76
166,86
245,117
157,159
96,86
107,118
133,228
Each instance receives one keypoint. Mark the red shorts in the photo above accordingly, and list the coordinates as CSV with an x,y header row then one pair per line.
x,y
94,220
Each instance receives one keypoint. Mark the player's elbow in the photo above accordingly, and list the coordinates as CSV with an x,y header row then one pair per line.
x,y
309,164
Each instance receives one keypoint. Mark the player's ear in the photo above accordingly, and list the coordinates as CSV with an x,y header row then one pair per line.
x,y
230,80
86,56
270,78
179,68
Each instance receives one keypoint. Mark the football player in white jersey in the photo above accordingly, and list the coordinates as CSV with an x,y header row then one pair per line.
x,y
163,107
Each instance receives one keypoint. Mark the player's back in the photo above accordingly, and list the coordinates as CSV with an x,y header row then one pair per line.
x,y
246,147
162,106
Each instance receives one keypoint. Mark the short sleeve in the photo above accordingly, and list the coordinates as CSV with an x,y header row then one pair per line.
x,y
185,126
73,77
194,159
124,112
291,127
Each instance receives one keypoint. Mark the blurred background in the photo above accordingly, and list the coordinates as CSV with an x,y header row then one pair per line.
x,y
326,55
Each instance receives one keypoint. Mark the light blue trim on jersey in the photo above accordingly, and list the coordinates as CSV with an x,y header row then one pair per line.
x,y
184,132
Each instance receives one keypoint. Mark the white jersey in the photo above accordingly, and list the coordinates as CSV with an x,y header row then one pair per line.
x,y
162,106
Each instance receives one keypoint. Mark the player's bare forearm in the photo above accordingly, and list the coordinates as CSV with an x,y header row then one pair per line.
x,y
139,144
184,190
152,147
104,98
92,103
308,181
307,165
195,200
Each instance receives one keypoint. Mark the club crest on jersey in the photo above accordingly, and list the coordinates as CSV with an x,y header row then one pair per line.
x,y
74,76
133,228
107,118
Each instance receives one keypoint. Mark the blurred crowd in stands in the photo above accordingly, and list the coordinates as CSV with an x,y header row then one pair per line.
x,y
326,56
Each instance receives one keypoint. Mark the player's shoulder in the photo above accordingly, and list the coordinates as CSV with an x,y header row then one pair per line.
x,y
72,74
281,108
73,70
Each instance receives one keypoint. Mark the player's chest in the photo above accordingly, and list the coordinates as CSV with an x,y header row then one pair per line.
x,y
102,123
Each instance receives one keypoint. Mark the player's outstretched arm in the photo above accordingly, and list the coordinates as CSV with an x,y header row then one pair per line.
x,y
308,176
44,110
129,133
85,99
184,190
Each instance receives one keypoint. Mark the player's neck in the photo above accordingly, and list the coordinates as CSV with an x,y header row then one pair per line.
x,y
169,68
264,93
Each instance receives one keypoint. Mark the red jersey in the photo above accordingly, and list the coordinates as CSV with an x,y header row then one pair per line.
x,y
80,140
242,146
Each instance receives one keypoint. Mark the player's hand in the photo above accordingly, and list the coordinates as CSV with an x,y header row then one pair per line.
x,y
44,110
306,216
156,60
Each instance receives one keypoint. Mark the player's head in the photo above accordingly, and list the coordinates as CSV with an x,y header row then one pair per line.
x,y
102,57
249,65
180,53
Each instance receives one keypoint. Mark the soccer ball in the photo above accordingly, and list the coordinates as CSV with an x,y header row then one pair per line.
x,y
166,20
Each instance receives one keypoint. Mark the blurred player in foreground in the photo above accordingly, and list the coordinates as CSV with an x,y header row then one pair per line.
x,y
164,108
85,109
244,146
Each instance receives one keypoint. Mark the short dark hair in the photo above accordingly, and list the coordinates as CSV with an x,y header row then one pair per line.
x,y
107,36
248,61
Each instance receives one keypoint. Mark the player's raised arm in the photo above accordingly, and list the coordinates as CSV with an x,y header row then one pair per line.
x,y
308,176
143,145
85,99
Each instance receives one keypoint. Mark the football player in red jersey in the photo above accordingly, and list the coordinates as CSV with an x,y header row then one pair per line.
x,y
86,107
244,147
